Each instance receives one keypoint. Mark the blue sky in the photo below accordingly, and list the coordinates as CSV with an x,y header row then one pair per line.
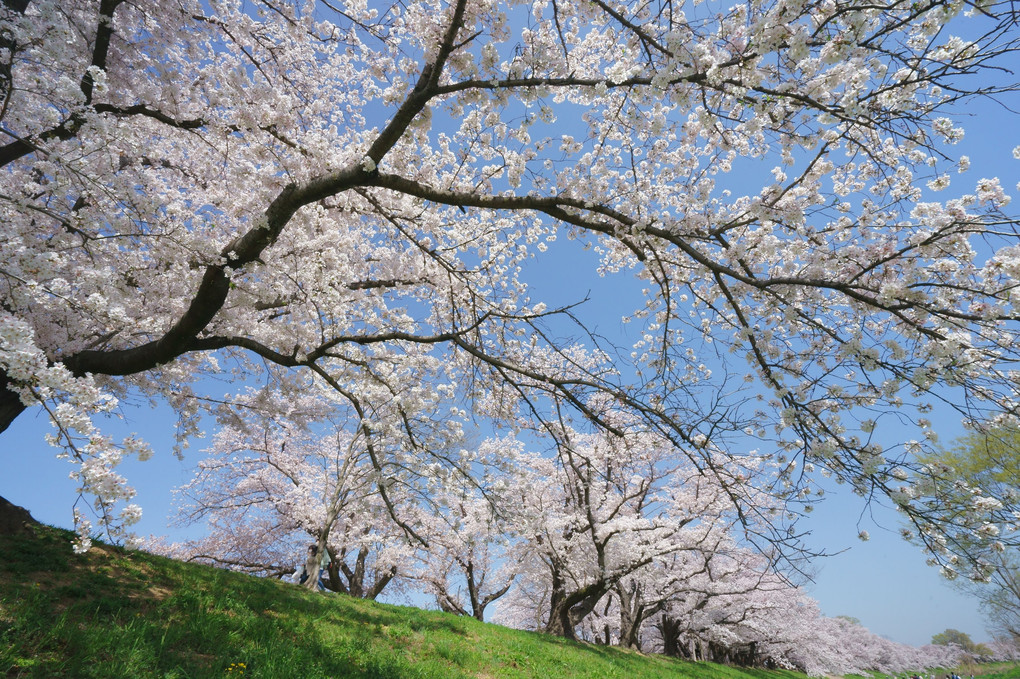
x,y
883,582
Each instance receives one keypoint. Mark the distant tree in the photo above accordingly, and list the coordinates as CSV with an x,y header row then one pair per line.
x,y
952,636
599,520
733,606
470,529
962,639
1005,648
306,477
980,468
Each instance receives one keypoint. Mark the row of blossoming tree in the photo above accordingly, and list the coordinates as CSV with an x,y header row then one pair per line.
x,y
606,538
359,203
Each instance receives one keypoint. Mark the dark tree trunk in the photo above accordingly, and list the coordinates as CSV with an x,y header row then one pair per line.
x,y
18,6
10,403
559,612
670,629
448,605
567,610
382,579
356,576
745,656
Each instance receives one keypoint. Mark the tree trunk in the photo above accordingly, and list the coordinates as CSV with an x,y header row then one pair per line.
x,y
567,610
632,614
559,613
18,6
356,577
475,587
10,403
472,586
333,570
448,605
670,629
382,579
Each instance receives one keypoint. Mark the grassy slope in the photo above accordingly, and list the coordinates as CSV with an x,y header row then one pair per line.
x,y
114,614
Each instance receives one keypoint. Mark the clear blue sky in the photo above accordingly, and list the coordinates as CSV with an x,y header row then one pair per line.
x,y
883,582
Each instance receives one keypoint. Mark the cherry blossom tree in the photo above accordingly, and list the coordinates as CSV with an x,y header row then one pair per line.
x,y
726,604
721,611
652,595
462,568
819,646
285,469
749,616
257,546
603,511
225,188
1005,648
470,530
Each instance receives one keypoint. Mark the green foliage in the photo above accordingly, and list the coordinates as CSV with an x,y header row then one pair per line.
x,y
110,614
961,639
989,460
952,636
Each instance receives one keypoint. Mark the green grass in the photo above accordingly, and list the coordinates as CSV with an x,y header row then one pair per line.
x,y
110,613
987,671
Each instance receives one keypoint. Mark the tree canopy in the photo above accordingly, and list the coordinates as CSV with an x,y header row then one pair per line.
x,y
989,460
961,639
351,200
